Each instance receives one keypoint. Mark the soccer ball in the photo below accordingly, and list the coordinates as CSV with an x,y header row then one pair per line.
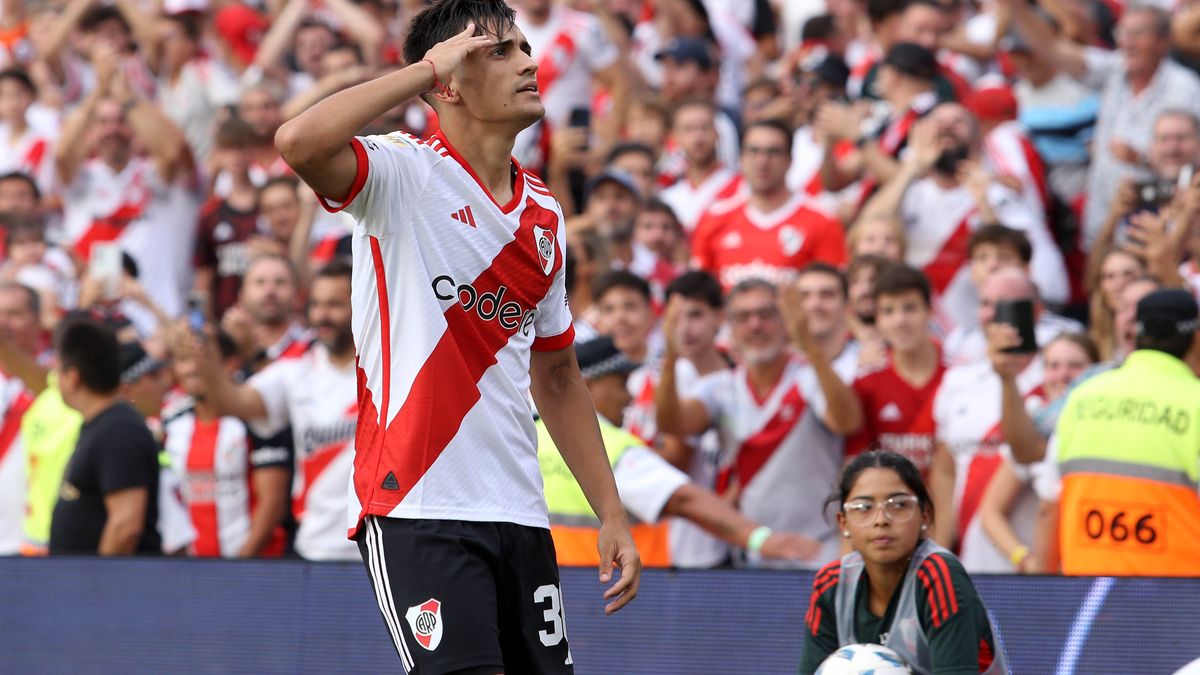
x,y
863,660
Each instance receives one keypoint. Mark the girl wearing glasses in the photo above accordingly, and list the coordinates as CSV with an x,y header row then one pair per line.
x,y
897,588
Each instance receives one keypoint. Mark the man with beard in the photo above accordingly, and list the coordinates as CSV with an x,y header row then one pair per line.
x,y
259,107
706,179
942,194
263,323
316,394
612,208
129,178
779,421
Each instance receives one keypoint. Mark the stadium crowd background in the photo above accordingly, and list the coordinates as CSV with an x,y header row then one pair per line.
x,y
1002,150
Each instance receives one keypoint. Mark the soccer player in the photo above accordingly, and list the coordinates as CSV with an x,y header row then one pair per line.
x,y
459,308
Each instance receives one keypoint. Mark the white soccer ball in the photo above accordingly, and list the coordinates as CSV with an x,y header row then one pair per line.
x,y
864,660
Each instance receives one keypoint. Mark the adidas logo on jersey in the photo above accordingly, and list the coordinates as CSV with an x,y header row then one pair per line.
x,y
487,306
890,413
464,216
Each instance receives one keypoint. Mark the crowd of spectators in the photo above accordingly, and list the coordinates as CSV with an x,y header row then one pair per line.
x,y
799,217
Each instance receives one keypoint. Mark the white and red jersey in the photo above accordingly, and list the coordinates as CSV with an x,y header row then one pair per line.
x,y
1190,271
215,459
31,154
939,221
690,201
897,416
153,220
319,401
452,290
1008,152
777,449
735,241
570,47
15,399
966,412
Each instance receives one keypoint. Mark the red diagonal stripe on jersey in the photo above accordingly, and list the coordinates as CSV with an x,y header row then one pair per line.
x,y
447,385
201,463
33,158
949,260
12,421
980,470
756,450
313,466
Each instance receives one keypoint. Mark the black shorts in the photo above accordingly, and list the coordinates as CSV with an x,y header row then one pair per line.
x,y
467,596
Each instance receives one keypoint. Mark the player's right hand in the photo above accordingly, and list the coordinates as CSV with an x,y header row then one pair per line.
x,y
448,55
617,550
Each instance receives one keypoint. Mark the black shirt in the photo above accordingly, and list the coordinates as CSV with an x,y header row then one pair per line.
x,y
115,451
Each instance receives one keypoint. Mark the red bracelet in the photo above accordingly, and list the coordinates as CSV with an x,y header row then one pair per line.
x,y
437,82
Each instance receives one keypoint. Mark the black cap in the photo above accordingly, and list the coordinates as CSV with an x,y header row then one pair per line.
x,y
610,175
912,60
1167,313
599,357
829,68
687,49
136,362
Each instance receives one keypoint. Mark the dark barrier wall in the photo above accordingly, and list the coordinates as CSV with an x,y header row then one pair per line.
x,y
181,616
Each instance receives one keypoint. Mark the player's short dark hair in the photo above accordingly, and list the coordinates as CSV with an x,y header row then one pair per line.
x,y
22,177
446,18
100,14
770,123
89,346
829,270
613,279
882,459
630,148
21,77
898,278
1001,235
697,285
233,132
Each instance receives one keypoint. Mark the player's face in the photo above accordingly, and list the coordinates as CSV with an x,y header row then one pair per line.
x,y
879,539
987,258
822,299
903,320
610,396
658,232
757,327
1119,268
498,84
766,156
698,326
268,292
626,316
1064,361
18,322
329,313
878,237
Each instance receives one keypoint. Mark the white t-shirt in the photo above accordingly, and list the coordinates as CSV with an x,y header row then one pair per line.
x,y
319,400
967,343
14,399
646,482
690,202
569,49
192,101
154,222
31,154
451,292
940,221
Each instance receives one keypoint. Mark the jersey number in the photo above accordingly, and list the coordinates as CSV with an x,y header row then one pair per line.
x,y
553,616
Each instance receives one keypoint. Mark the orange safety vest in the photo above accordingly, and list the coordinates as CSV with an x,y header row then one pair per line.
x,y
1128,448
573,525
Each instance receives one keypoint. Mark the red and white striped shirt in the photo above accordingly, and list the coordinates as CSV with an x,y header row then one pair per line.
x,y
451,292
15,399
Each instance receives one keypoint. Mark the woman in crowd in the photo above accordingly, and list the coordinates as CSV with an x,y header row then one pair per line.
x,y
1117,267
1026,537
897,587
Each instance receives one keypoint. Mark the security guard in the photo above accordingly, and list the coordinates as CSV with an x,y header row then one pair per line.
x,y
651,489
1128,448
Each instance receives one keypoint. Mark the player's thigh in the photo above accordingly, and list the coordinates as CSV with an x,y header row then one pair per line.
x,y
436,591
534,628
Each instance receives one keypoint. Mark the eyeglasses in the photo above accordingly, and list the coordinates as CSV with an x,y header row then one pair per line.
x,y
896,509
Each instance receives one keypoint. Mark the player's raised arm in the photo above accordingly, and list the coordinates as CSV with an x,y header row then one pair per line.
x,y
563,401
316,144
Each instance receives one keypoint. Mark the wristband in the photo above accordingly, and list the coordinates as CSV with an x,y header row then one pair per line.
x,y
1019,555
437,82
757,538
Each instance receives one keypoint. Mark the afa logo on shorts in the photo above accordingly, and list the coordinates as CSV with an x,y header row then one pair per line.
x,y
425,620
